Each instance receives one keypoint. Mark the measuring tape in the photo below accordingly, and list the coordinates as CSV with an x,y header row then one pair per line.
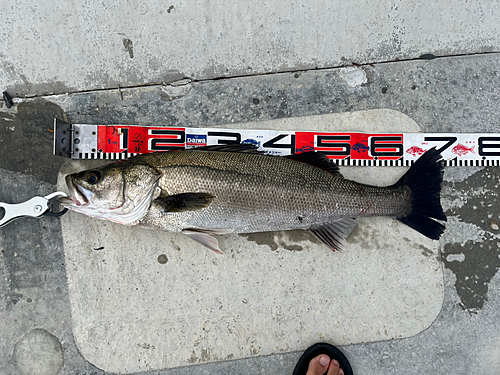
x,y
117,142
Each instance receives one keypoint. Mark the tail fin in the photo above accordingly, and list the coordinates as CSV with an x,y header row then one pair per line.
x,y
424,180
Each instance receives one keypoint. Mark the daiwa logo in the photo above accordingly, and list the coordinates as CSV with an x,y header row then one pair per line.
x,y
196,140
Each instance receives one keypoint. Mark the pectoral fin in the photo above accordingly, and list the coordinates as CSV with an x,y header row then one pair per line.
x,y
334,234
185,202
204,237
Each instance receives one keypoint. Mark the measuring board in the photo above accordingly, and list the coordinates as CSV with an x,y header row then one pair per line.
x,y
118,142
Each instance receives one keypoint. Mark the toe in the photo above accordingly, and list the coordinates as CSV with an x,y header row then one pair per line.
x,y
333,368
318,365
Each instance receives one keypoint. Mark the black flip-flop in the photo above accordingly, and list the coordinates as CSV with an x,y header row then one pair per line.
x,y
322,348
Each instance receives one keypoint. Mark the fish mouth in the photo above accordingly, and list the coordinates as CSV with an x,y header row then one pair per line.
x,y
78,195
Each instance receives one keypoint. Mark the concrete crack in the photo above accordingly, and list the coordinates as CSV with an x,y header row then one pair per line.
x,y
189,80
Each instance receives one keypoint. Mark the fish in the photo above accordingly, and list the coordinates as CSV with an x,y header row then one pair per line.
x,y
359,147
462,150
415,151
206,191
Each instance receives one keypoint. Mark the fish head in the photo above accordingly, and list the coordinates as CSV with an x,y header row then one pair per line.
x,y
120,193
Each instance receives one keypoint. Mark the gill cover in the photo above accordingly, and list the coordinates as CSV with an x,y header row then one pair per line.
x,y
140,187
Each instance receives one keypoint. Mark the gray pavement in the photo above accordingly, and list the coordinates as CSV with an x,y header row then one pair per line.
x,y
445,94
77,46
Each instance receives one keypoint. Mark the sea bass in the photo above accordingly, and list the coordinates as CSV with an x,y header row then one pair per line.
x,y
224,189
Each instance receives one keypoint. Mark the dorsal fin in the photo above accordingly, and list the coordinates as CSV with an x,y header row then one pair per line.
x,y
314,158
317,159
246,147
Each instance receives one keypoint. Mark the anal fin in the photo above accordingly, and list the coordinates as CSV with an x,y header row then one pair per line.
x,y
334,234
205,237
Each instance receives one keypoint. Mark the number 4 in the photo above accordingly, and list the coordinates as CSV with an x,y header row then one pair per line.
x,y
272,142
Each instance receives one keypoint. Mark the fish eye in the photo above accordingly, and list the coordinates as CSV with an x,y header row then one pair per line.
x,y
93,177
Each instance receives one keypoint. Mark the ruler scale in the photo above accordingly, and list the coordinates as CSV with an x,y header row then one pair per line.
x,y
119,142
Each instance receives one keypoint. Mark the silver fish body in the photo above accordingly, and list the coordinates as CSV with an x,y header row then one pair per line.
x,y
256,193
204,192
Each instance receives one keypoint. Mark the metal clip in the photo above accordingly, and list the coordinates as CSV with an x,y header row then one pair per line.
x,y
34,207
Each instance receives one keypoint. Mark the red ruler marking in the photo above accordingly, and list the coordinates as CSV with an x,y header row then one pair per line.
x,y
139,139
357,146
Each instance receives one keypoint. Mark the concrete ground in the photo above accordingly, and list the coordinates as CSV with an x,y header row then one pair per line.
x,y
435,64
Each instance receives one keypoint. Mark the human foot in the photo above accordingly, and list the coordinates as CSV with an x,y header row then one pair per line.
x,y
323,365
323,359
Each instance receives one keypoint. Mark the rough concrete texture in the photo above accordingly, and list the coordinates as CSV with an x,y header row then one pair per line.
x,y
25,137
200,307
472,250
441,95
35,319
75,45
38,353
457,94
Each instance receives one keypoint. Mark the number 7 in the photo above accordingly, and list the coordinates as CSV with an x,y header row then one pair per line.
x,y
449,140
